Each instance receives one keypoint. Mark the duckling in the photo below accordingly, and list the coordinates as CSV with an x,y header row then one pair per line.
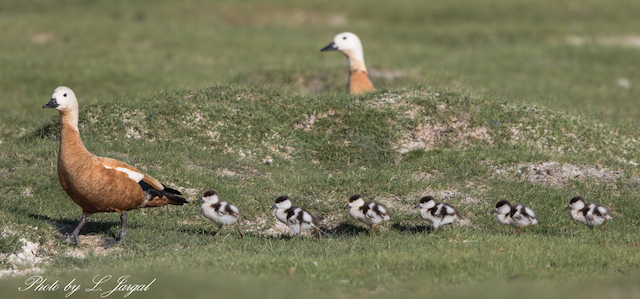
x,y
296,218
220,212
516,215
589,213
369,212
349,44
437,213
97,184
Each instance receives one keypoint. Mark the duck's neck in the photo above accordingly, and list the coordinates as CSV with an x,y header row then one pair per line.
x,y
357,65
71,146
69,118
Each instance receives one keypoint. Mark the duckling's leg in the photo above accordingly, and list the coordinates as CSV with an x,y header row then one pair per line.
x,y
240,229
435,229
603,228
520,228
295,236
372,230
75,235
318,232
217,232
123,231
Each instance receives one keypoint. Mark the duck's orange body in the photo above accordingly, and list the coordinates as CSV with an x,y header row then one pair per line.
x,y
359,82
94,183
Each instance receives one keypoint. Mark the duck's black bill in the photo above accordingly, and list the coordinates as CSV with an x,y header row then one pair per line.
x,y
52,104
331,47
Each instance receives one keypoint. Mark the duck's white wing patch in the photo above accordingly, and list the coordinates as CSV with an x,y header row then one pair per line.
x,y
134,175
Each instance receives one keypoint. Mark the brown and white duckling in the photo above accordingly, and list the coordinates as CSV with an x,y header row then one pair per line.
x,y
516,215
589,213
349,44
437,213
369,212
296,218
220,212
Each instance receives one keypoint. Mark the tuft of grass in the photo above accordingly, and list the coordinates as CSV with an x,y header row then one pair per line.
x,y
10,244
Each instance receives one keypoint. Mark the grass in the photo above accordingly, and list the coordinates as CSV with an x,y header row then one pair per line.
x,y
473,98
224,146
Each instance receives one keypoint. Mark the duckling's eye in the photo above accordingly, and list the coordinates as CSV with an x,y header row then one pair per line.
x,y
344,37
64,95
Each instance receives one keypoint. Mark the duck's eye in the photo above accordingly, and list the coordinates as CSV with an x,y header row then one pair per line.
x,y
344,37
64,95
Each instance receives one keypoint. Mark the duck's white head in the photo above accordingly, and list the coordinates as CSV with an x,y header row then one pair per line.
x,y
282,202
347,43
210,196
502,207
576,203
63,99
355,201
427,202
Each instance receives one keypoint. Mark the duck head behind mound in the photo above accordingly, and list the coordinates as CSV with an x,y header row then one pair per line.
x,y
100,184
349,44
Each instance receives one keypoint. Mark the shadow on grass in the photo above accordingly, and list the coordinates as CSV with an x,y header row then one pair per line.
x,y
414,229
345,230
47,131
67,225
210,232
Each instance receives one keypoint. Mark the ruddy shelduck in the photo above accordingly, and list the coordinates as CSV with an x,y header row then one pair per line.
x,y
349,44
100,184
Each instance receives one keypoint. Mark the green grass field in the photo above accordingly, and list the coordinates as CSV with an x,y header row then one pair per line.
x,y
477,101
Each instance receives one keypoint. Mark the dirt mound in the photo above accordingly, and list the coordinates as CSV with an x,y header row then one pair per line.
x,y
560,174
428,136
